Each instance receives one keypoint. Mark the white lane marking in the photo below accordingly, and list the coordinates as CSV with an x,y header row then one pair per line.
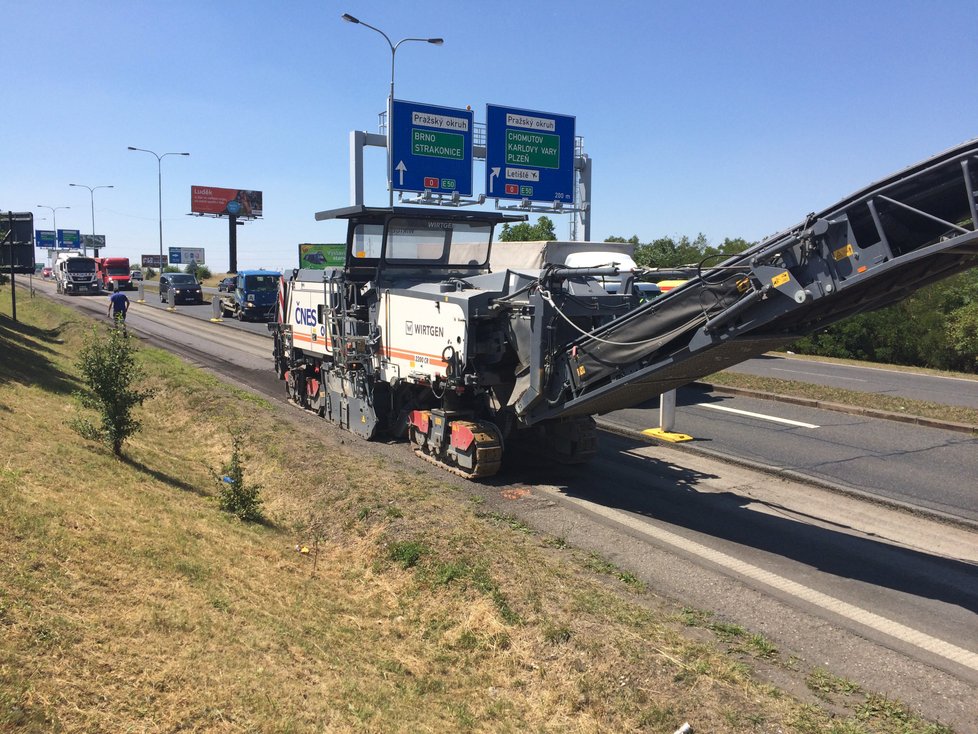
x,y
818,374
896,630
762,416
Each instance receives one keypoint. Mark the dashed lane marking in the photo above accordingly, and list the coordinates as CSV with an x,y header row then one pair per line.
x,y
761,416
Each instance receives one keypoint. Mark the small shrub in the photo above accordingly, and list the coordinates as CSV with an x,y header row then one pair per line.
x,y
556,634
236,496
407,552
110,371
203,272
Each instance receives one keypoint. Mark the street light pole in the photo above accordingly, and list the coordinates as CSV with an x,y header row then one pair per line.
x,y
390,99
91,191
54,219
159,179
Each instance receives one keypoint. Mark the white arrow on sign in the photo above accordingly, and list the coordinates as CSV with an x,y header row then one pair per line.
x,y
401,168
493,173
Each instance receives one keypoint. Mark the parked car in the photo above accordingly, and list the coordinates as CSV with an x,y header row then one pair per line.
x,y
136,275
184,287
226,285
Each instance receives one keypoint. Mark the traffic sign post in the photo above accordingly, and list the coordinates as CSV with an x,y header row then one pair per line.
x,y
45,239
431,149
529,155
69,239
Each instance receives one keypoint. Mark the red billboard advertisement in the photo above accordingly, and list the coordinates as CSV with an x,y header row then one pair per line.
x,y
225,202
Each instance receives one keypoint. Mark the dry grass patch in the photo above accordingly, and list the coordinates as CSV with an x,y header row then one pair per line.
x,y
129,602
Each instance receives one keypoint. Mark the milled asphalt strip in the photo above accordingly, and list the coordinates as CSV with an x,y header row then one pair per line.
x,y
888,627
256,344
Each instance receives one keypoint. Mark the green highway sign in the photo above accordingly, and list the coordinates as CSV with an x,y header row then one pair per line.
x,y
437,145
529,155
527,148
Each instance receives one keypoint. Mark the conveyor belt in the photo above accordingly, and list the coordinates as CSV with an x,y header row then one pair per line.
x,y
870,250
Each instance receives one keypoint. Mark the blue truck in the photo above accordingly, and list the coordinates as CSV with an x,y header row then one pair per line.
x,y
254,297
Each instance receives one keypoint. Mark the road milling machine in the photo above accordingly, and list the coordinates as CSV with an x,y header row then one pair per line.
x,y
418,337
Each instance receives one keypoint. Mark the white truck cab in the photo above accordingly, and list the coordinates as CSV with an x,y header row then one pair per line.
x,y
76,273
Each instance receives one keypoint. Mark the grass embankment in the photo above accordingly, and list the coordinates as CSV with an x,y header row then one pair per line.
x,y
129,602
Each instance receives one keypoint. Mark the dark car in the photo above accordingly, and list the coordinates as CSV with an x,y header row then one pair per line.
x,y
184,287
226,285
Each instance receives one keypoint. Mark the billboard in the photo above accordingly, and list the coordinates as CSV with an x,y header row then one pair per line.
x,y
153,261
186,255
225,202
93,241
320,257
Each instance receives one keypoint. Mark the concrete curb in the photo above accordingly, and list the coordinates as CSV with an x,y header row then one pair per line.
x,y
916,420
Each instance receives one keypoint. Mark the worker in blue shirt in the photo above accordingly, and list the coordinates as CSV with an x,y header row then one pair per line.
x,y
118,306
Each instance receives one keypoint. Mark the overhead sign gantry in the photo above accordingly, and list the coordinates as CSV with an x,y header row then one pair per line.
x,y
533,159
529,155
69,239
431,149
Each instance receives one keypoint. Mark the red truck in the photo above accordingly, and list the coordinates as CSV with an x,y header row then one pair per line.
x,y
113,273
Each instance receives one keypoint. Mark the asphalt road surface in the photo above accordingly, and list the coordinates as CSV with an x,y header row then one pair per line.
x,y
930,388
926,468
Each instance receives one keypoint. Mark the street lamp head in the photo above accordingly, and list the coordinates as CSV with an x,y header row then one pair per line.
x,y
349,18
131,148
436,41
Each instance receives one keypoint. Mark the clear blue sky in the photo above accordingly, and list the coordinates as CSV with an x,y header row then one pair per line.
x,y
734,119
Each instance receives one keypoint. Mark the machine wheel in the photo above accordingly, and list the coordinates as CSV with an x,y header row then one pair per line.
x,y
240,314
295,386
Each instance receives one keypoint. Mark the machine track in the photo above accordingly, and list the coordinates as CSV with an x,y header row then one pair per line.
x,y
487,449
